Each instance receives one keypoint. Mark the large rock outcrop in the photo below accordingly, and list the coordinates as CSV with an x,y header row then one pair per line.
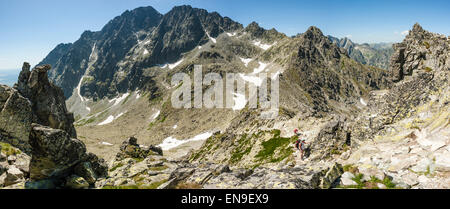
x,y
47,100
38,142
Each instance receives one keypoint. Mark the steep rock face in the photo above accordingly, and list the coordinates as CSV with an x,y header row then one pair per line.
x,y
34,122
54,152
377,55
403,133
47,100
421,50
420,68
325,72
112,60
72,64
15,118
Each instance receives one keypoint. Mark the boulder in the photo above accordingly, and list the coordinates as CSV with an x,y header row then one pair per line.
x,y
347,179
85,170
48,103
54,153
76,182
369,172
15,118
331,176
23,162
131,149
93,167
13,176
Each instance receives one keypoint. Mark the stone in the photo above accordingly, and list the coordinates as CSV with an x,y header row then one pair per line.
x,y
42,184
48,101
381,186
425,165
54,153
11,159
331,176
76,182
13,176
98,165
3,167
2,156
131,149
85,170
23,162
347,179
2,179
15,117
368,173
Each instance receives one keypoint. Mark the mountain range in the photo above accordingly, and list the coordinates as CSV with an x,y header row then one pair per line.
x,y
373,115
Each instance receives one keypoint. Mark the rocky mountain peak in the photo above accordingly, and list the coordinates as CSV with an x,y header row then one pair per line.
x,y
254,29
417,28
420,51
313,33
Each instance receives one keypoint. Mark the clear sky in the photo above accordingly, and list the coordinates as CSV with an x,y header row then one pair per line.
x,y
30,29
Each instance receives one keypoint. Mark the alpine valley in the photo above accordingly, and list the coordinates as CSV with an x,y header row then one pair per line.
x,y
97,113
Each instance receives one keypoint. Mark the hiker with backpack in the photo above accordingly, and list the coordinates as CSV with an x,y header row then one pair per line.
x,y
300,143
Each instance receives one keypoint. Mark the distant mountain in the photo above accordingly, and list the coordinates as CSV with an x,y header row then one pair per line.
x,y
376,55
389,128
111,60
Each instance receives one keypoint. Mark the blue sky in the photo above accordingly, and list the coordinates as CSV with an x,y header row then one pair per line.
x,y
30,29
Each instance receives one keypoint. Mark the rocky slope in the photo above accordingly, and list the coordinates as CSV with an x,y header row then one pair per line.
x,y
38,148
391,125
377,55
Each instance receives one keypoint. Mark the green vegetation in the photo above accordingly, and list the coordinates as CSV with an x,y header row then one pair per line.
x,y
350,168
358,179
428,69
158,168
427,45
116,166
268,153
210,145
138,159
8,150
243,148
370,184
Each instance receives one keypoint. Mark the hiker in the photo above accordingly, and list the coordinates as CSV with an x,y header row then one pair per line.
x,y
300,143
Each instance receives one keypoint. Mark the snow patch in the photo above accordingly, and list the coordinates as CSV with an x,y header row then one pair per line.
x,y
156,115
260,68
231,34
108,120
175,127
119,99
252,79
171,142
107,144
92,51
239,101
146,52
262,46
172,66
211,38
246,61
79,88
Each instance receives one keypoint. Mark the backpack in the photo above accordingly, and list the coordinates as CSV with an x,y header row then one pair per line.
x,y
297,143
298,146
